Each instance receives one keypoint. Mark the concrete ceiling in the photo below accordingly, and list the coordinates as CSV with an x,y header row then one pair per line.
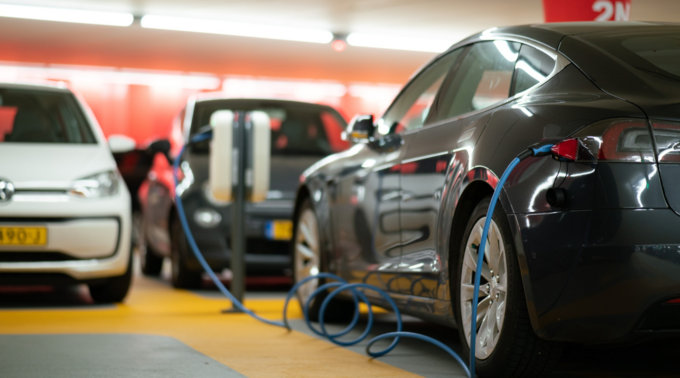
x,y
52,42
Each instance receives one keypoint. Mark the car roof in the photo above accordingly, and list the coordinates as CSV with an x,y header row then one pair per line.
x,y
657,96
37,85
204,97
218,97
551,34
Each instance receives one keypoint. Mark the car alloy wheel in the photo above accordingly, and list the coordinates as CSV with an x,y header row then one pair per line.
x,y
492,291
306,254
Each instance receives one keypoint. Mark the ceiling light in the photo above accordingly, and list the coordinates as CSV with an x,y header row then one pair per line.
x,y
236,28
66,15
339,45
398,43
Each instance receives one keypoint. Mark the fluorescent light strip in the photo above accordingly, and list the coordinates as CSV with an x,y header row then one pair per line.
x,y
236,28
375,91
398,43
301,89
66,15
307,89
75,74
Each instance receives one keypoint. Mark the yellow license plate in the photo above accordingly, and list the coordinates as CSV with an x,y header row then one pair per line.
x,y
279,230
23,235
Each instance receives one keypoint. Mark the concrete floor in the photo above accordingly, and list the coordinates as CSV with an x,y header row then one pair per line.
x,y
161,332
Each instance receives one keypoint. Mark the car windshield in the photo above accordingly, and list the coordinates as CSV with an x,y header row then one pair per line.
x,y
33,116
655,53
296,129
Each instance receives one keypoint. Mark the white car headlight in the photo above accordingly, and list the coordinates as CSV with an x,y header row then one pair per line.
x,y
103,184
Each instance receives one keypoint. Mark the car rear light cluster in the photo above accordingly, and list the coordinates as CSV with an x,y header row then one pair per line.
x,y
613,140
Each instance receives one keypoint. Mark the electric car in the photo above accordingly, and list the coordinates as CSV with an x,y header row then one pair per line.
x,y
64,209
584,246
301,134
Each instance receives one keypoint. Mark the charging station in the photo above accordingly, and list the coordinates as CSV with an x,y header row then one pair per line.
x,y
239,173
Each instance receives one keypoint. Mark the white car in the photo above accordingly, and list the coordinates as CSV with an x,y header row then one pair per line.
x,y
64,208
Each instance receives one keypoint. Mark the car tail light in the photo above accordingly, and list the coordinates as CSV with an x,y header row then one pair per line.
x,y
673,301
667,136
614,140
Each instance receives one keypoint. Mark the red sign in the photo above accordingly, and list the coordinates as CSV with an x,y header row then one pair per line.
x,y
586,10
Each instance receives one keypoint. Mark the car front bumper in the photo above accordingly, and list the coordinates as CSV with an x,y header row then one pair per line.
x,y
87,239
599,276
263,256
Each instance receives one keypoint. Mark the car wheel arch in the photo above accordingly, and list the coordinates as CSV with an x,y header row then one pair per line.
x,y
473,192
317,192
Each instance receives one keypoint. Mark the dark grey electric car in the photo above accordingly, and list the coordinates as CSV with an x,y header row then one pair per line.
x,y
301,134
584,246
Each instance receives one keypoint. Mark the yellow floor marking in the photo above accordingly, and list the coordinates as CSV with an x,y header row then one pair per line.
x,y
238,341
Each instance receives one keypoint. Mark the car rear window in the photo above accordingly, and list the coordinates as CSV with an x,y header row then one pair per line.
x,y
30,116
295,129
654,53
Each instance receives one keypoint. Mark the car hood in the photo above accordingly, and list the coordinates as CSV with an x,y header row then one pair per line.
x,y
46,166
286,171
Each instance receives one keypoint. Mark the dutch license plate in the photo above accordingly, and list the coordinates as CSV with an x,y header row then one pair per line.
x,y
279,230
23,235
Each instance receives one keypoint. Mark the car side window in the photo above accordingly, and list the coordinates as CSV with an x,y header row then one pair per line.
x,y
533,67
410,110
483,79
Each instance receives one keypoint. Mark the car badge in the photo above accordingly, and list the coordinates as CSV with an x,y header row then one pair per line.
x,y
6,190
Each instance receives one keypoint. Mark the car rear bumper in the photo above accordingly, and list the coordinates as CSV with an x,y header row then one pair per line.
x,y
596,276
86,239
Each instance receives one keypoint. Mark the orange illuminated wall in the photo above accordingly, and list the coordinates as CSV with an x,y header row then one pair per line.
x,y
141,112
143,103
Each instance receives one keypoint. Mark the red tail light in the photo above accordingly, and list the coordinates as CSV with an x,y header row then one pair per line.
x,y
673,301
616,140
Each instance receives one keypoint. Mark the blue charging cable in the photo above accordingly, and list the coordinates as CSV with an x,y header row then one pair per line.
x,y
339,285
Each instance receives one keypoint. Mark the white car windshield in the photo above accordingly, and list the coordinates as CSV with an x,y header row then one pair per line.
x,y
34,116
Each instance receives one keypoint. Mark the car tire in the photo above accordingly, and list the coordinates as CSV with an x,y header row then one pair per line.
x,y
508,347
182,276
151,262
306,229
115,289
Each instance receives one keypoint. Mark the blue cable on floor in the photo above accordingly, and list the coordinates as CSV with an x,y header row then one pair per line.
x,y
341,285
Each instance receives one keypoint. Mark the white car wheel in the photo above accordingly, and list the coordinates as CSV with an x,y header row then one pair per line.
x,y
306,255
492,292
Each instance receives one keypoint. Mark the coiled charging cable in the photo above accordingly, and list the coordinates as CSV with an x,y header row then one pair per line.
x,y
339,285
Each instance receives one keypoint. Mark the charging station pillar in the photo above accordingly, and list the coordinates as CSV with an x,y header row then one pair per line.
x,y
238,239
239,172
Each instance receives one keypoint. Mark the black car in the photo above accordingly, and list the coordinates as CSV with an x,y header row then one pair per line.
x,y
584,246
301,134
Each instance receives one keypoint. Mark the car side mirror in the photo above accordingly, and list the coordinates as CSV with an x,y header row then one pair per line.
x,y
159,146
121,143
360,129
